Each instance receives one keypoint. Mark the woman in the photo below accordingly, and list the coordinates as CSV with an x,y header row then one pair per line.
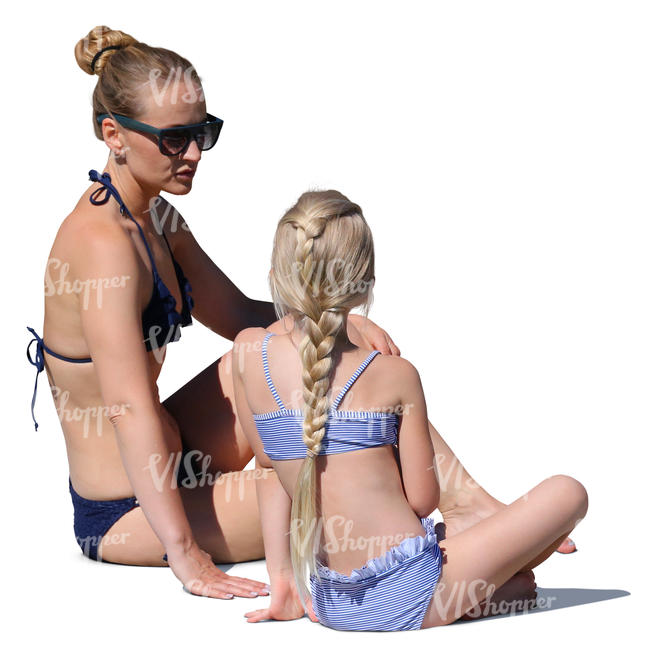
x,y
116,292
343,508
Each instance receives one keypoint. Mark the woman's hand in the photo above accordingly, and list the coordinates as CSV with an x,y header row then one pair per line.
x,y
364,333
285,604
196,570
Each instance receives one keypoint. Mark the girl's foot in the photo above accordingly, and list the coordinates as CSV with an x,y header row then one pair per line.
x,y
567,546
518,594
467,505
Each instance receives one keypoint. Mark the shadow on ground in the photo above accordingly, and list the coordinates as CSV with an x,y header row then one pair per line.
x,y
552,599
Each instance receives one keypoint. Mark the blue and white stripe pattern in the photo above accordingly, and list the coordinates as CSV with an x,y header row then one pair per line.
x,y
281,430
389,592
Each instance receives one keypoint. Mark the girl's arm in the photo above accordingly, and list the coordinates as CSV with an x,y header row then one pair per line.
x,y
275,514
273,501
415,452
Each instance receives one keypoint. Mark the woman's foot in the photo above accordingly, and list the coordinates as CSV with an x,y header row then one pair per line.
x,y
516,595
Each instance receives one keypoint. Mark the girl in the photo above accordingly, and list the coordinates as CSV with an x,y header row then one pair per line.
x,y
355,473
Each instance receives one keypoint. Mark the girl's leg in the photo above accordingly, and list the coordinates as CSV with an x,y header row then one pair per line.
x,y
463,502
204,410
477,562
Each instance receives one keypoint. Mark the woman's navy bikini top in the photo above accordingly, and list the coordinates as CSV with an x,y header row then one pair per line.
x,y
281,430
161,322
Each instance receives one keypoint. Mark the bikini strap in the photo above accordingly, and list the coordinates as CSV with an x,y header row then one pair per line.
x,y
352,379
183,282
267,374
39,363
108,187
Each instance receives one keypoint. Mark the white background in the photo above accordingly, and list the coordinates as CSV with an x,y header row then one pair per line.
x,y
500,152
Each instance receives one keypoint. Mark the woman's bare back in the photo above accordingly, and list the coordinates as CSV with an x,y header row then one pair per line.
x,y
71,285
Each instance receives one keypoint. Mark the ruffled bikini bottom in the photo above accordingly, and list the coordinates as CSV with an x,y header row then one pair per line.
x,y
389,592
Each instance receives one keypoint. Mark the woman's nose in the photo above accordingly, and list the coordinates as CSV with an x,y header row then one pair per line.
x,y
192,152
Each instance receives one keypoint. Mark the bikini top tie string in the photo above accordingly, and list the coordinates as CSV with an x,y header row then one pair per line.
x,y
39,362
109,188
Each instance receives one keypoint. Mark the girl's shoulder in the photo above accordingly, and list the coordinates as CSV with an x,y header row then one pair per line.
x,y
248,343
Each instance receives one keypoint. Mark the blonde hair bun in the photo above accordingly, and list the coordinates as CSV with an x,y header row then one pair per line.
x,y
100,38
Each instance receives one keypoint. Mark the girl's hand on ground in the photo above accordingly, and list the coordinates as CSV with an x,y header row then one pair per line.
x,y
196,570
285,605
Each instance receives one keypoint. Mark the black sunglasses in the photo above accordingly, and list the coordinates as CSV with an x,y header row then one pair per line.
x,y
175,139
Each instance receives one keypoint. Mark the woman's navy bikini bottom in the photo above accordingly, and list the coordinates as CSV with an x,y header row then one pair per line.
x,y
93,518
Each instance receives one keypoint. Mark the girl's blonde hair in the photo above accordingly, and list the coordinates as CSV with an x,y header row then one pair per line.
x,y
127,72
323,265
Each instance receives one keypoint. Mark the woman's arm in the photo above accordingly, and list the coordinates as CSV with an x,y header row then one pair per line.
x,y
113,332
218,302
112,329
226,310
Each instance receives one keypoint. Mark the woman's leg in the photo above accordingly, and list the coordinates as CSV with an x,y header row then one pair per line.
x,y
204,410
219,498
224,518
477,562
463,502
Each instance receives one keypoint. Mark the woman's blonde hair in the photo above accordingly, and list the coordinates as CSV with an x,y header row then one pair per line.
x,y
322,266
126,72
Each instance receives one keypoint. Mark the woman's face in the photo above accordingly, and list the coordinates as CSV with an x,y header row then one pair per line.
x,y
179,104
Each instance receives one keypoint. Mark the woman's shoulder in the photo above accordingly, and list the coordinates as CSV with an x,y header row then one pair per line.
x,y
88,222
90,247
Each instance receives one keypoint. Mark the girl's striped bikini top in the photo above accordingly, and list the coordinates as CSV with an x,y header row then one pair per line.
x,y
281,430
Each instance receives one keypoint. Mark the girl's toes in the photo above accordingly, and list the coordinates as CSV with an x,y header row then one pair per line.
x,y
567,546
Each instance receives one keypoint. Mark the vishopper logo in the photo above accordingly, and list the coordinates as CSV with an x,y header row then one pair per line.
x,y
479,592
89,415
238,355
168,90
160,210
455,477
159,337
60,285
163,469
100,542
376,545
334,285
